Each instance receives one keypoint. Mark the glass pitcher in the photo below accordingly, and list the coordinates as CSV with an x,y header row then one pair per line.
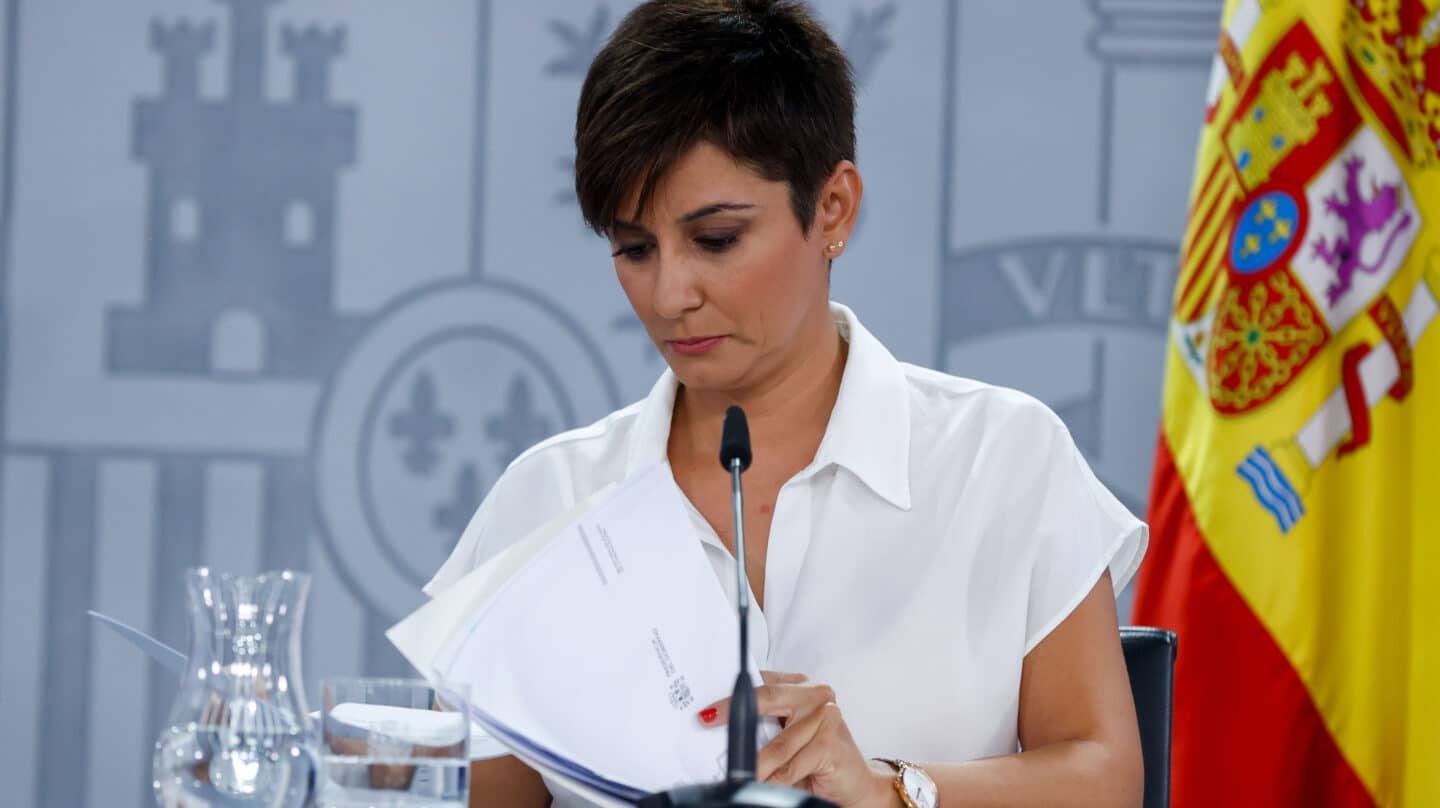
x,y
239,734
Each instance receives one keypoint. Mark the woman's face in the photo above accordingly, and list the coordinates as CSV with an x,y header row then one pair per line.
x,y
726,282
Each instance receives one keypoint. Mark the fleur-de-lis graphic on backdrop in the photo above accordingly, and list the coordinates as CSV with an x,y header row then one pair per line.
x,y
450,516
866,39
421,425
581,43
518,426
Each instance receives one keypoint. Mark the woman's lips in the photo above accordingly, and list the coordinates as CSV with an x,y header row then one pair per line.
x,y
693,347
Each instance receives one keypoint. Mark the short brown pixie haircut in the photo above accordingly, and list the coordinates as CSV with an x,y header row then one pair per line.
x,y
760,79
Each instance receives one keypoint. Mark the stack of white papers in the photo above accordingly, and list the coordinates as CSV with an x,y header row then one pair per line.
x,y
589,646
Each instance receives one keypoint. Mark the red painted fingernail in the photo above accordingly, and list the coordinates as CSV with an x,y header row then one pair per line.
x,y
709,714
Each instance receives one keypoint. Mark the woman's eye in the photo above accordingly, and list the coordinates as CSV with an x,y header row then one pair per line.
x,y
632,252
718,243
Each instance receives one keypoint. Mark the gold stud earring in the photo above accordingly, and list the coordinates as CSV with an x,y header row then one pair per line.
x,y
836,246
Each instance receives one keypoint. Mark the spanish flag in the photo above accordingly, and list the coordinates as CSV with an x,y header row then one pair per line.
x,y
1295,510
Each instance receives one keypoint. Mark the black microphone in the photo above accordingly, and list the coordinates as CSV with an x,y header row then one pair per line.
x,y
735,446
739,789
735,458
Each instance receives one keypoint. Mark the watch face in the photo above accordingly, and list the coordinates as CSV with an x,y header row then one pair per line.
x,y
919,787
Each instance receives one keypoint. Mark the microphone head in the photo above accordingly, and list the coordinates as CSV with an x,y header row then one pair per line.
x,y
735,439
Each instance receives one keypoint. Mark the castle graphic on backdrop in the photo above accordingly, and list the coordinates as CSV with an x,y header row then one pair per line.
x,y
240,262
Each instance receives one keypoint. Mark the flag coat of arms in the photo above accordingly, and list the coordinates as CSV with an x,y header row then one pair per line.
x,y
1295,507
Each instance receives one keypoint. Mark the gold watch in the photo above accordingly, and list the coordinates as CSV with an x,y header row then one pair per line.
x,y
916,788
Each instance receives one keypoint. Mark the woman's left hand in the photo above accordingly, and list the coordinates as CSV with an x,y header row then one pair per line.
x,y
814,750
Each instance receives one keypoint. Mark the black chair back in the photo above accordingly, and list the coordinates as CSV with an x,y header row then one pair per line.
x,y
1150,659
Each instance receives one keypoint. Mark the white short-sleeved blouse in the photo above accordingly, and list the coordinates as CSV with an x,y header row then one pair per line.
x,y
944,528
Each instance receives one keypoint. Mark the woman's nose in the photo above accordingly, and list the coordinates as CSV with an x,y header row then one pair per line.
x,y
677,289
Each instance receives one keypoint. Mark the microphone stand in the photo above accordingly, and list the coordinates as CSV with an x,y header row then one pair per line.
x,y
739,789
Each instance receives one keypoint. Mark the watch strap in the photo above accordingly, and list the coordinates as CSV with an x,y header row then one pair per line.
x,y
899,782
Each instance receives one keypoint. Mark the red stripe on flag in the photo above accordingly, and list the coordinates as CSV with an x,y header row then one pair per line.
x,y
1194,271
1198,222
1245,729
1208,269
1188,311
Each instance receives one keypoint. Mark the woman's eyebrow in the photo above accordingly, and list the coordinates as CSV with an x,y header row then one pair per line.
x,y
630,227
698,213
718,207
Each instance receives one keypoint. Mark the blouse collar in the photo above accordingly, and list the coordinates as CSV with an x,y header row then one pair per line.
x,y
869,429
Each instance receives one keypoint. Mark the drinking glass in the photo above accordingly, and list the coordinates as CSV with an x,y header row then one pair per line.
x,y
393,742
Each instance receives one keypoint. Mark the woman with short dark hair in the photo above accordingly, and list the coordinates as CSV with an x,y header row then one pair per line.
x,y
931,556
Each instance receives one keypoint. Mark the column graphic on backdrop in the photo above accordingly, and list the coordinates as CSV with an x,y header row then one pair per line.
x,y
1133,41
1088,311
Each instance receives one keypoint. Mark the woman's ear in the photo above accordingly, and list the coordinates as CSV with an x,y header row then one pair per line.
x,y
837,208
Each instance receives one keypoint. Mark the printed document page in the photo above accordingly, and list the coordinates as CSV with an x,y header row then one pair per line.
x,y
603,647
420,636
